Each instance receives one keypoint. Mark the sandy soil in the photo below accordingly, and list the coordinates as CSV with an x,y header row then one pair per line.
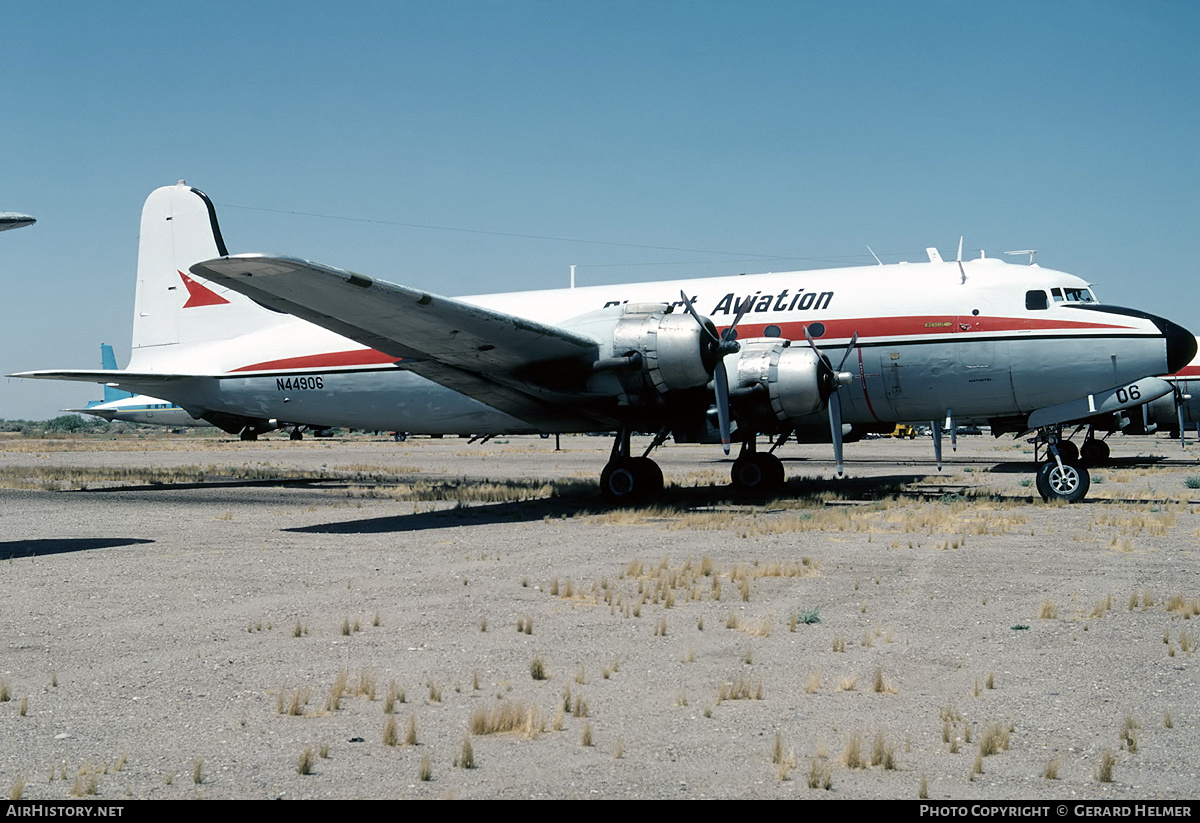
x,y
150,631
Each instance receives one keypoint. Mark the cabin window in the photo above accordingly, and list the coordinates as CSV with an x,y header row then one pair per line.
x,y
771,331
1035,300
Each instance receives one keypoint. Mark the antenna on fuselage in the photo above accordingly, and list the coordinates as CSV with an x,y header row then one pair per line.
x,y
572,275
961,270
1031,252
873,254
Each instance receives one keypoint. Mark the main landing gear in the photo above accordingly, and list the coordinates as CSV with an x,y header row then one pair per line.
x,y
755,471
1062,477
628,479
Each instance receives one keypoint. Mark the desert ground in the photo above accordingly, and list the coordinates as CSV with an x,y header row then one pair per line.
x,y
196,617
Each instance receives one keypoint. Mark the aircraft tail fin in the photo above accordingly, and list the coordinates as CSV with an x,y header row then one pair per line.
x,y
175,311
108,362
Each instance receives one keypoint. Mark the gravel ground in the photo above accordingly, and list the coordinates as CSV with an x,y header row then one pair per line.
x,y
150,646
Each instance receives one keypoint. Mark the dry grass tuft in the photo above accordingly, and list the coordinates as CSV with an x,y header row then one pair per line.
x,y
740,687
537,669
1104,769
880,686
1050,771
882,753
466,760
307,760
425,772
18,788
504,716
994,740
820,775
852,755
1186,609
1049,610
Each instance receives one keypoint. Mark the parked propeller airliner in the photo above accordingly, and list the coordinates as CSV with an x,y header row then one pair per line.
x,y
247,340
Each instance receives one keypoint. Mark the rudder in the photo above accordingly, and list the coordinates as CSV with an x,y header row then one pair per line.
x,y
173,309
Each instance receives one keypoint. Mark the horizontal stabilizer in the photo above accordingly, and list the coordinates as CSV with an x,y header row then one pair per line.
x,y
140,382
1113,400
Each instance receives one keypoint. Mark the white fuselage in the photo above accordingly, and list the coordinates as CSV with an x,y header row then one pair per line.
x,y
932,338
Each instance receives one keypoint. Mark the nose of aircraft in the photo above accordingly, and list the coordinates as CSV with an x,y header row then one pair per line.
x,y
1181,344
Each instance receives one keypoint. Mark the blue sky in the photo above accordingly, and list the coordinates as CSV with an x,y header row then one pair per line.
x,y
799,131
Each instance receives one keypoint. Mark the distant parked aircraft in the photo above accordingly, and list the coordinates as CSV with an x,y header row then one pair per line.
x,y
14,220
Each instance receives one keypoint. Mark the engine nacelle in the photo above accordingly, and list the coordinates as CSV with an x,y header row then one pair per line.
x,y
676,353
787,382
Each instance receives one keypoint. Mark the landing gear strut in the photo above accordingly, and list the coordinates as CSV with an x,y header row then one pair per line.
x,y
755,471
1062,476
628,479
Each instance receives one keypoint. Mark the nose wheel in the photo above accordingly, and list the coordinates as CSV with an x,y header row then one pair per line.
x,y
1069,482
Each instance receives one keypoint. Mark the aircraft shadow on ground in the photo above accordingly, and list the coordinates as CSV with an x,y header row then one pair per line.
x,y
1029,467
677,499
64,545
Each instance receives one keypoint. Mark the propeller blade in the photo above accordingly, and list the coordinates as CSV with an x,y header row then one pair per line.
x,y
849,349
690,309
727,335
1179,401
835,428
721,384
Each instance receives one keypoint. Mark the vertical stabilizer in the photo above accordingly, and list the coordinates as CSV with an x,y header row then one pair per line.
x,y
174,311
108,362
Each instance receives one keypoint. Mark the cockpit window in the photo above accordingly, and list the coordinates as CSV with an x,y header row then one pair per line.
x,y
1035,300
1078,295
1057,295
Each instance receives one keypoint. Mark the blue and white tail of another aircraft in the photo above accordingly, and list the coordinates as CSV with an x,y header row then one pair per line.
x,y
134,408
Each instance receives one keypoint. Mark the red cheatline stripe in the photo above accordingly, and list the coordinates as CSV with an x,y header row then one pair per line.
x,y
868,327
328,360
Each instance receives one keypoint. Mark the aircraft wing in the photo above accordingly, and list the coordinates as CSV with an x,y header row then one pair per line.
x,y
513,364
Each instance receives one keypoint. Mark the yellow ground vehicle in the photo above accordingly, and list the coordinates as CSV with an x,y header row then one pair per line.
x,y
904,430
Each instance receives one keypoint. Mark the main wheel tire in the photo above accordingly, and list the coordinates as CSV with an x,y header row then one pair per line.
x,y
630,480
757,472
1069,484
650,477
1094,453
1068,451
296,435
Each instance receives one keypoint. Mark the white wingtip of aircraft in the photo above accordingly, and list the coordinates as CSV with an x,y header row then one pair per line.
x,y
14,220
